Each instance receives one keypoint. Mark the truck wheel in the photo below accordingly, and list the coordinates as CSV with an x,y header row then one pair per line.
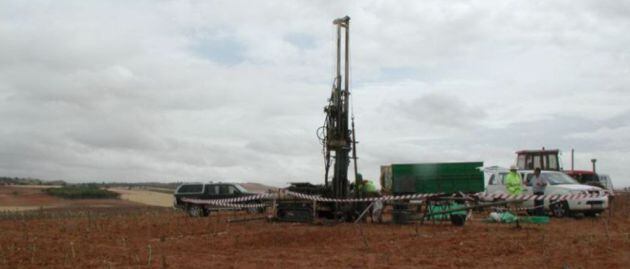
x,y
195,211
560,210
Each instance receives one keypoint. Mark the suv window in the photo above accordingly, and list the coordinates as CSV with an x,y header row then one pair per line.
x,y
212,189
227,189
195,188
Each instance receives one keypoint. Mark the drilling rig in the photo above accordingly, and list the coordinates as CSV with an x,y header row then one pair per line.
x,y
338,140
337,134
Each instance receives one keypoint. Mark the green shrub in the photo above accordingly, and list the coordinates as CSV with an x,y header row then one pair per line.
x,y
82,192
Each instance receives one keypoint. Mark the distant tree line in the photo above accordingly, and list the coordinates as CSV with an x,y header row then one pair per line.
x,y
147,185
29,181
82,191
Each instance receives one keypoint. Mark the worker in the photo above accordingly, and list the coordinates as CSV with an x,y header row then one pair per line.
x,y
359,188
369,190
539,184
513,182
377,211
514,186
369,187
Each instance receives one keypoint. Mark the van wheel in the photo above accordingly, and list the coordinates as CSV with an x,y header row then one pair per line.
x,y
560,210
195,211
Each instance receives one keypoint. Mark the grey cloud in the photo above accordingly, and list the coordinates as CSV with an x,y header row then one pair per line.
x,y
209,90
442,110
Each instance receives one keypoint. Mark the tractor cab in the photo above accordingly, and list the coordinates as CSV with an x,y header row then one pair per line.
x,y
545,159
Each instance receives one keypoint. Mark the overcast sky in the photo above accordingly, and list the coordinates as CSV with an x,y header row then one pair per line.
x,y
234,90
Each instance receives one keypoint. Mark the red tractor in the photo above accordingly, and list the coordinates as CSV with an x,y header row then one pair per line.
x,y
548,159
545,159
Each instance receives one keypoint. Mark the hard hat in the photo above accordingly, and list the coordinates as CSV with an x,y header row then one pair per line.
x,y
513,167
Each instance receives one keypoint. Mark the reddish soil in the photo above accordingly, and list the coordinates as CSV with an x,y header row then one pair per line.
x,y
33,196
164,238
25,196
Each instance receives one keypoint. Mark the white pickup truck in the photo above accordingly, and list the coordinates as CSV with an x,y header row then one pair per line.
x,y
559,183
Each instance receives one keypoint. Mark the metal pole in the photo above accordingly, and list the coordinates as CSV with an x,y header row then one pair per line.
x,y
354,157
364,212
572,159
338,57
347,93
347,62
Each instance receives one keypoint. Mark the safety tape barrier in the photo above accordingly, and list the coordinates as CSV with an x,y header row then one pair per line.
x,y
510,197
221,203
261,196
366,199
237,201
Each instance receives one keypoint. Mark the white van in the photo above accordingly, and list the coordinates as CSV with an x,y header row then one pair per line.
x,y
559,183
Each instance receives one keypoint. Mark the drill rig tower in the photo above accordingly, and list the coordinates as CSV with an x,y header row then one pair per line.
x,y
337,135
337,140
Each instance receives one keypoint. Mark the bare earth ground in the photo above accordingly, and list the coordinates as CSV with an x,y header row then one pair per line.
x,y
31,197
145,197
161,238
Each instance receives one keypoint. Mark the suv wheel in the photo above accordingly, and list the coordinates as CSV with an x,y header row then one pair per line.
x,y
591,214
195,211
560,210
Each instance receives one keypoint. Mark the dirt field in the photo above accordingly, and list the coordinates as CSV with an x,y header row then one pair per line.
x,y
31,197
145,197
161,238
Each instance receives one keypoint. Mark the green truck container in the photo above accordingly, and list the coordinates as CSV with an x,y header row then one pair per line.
x,y
432,178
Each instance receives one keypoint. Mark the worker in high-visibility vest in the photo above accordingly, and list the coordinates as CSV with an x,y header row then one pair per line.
x,y
369,189
513,182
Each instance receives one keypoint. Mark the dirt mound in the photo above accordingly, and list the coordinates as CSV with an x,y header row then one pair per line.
x,y
257,187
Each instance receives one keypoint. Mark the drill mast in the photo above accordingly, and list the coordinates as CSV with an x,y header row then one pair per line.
x,y
337,134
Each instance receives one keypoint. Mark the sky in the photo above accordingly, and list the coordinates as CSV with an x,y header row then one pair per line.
x,y
234,90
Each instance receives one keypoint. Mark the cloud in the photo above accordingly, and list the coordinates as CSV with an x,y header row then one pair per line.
x,y
208,90
442,110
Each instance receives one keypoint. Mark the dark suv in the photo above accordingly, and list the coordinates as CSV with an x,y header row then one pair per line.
x,y
206,191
